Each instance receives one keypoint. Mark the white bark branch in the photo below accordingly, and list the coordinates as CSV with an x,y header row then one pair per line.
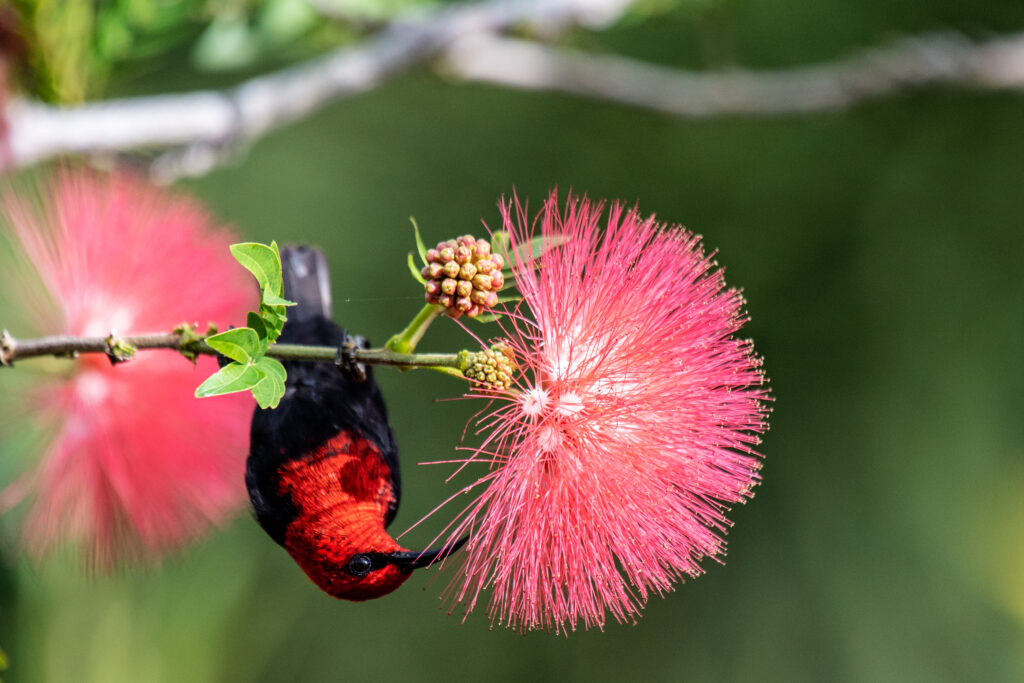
x,y
202,128
215,119
934,61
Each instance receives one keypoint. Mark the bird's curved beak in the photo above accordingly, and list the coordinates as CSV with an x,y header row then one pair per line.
x,y
413,559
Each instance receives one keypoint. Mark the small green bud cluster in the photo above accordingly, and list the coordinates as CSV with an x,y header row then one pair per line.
x,y
490,369
463,276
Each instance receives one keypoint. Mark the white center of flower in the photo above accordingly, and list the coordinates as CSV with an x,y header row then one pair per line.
x,y
102,321
570,404
534,402
92,387
548,439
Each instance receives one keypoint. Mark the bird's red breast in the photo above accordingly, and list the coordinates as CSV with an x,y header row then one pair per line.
x,y
341,494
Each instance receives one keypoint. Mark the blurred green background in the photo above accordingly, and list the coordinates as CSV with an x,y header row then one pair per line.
x,y
881,252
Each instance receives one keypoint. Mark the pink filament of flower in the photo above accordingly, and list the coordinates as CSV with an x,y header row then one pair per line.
x,y
629,434
137,465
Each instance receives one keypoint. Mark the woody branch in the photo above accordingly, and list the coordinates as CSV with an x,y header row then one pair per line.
x,y
200,130
205,126
925,62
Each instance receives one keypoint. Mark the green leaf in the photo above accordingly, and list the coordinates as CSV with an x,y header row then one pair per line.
x,y
230,379
241,344
538,245
273,368
446,370
247,346
268,393
501,243
530,253
273,320
227,43
254,321
271,299
263,262
415,271
420,246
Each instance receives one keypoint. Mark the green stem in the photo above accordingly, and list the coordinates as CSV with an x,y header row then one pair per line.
x,y
382,356
12,349
406,340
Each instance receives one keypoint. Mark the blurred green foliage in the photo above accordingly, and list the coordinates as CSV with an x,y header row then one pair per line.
x,y
71,47
880,250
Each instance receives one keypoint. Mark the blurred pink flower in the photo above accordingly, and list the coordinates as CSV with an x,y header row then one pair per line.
x,y
629,433
136,466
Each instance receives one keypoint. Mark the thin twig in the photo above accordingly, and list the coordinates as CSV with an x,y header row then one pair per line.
x,y
932,61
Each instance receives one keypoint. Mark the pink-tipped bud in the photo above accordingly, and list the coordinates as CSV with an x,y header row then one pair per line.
x,y
482,282
462,275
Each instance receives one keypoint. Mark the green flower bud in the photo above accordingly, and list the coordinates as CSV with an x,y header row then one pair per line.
x,y
492,369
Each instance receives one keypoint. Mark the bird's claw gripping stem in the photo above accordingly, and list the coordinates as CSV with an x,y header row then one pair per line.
x,y
346,358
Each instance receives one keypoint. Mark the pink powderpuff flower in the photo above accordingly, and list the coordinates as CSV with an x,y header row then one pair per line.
x,y
630,429
137,466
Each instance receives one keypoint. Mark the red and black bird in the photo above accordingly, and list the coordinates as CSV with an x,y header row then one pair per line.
x,y
323,472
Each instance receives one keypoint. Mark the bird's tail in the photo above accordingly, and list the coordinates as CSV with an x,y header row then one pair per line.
x,y
307,282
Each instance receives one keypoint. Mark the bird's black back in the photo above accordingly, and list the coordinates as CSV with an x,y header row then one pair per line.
x,y
319,400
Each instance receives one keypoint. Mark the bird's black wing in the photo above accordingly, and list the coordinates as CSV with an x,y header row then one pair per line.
x,y
319,400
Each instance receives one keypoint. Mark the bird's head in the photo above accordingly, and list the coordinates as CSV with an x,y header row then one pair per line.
x,y
365,570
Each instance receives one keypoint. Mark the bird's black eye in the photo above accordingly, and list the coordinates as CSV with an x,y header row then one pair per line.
x,y
360,565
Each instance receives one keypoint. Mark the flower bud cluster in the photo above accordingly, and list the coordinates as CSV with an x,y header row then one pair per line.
x,y
490,369
463,276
